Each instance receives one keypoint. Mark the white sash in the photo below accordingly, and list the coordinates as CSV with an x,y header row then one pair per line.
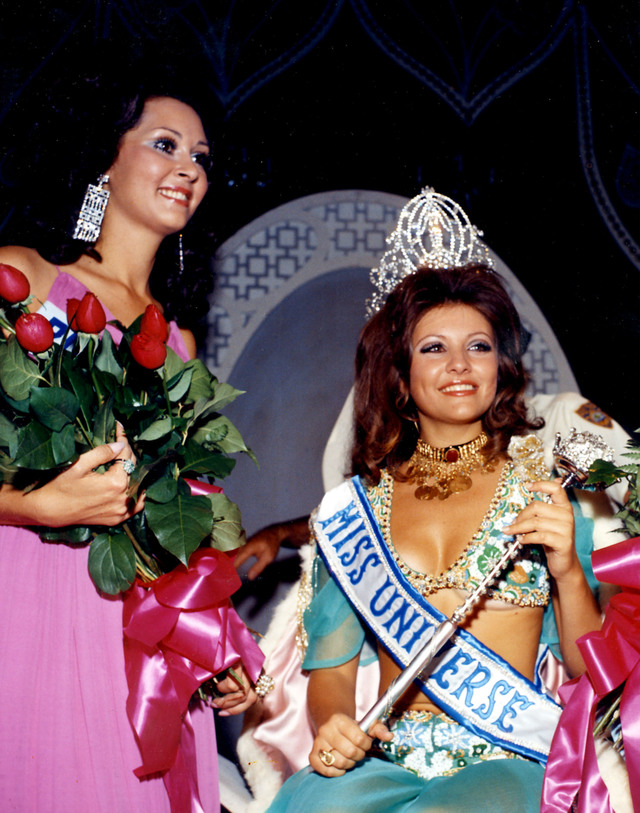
x,y
58,319
468,680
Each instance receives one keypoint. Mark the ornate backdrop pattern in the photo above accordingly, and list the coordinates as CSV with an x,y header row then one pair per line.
x,y
526,114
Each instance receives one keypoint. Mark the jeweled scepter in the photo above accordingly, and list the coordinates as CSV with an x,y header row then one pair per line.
x,y
573,457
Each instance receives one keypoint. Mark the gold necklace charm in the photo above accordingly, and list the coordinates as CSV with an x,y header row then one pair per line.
x,y
441,472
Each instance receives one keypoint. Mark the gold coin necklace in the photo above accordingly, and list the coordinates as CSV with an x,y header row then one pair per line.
x,y
440,472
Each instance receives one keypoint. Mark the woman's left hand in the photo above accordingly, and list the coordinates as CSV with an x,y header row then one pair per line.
x,y
550,525
239,694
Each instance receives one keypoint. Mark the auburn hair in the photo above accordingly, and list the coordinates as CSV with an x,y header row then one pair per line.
x,y
384,413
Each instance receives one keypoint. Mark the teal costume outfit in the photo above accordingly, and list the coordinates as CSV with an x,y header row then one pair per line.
x,y
434,763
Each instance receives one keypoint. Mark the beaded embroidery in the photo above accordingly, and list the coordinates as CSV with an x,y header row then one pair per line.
x,y
525,582
431,745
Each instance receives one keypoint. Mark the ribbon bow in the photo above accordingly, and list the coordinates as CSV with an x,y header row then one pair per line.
x,y
612,657
179,631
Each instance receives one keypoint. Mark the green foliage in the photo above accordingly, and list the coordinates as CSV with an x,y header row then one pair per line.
x,y
181,524
112,562
18,372
227,524
609,473
59,404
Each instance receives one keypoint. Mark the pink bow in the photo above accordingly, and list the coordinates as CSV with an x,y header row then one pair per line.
x,y
179,631
612,657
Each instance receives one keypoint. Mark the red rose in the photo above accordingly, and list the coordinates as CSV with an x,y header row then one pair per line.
x,y
153,324
34,332
14,286
72,307
90,316
148,351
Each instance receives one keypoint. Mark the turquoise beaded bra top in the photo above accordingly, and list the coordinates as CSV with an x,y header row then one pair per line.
x,y
525,581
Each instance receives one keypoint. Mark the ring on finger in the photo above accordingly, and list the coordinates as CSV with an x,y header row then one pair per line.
x,y
129,466
327,758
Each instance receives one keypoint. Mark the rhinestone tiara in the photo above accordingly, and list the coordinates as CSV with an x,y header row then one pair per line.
x,y
432,231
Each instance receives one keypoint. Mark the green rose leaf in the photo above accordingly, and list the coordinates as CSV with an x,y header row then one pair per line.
x,y
212,431
168,447
112,562
106,359
224,394
179,385
54,407
104,425
80,383
7,469
201,381
157,429
21,407
39,448
221,432
197,460
18,373
173,364
63,445
181,524
603,471
8,435
153,466
71,534
227,532
211,405
163,490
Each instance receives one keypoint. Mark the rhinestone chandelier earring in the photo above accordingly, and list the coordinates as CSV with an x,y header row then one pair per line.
x,y
433,231
91,212
180,254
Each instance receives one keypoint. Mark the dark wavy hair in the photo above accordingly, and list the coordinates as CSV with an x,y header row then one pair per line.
x,y
72,138
385,433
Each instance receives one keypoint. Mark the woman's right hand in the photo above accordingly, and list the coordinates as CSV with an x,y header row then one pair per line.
x,y
79,495
265,544
347,743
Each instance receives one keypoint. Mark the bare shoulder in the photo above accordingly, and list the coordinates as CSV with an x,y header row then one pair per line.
x,y
189,341
26,259
38,271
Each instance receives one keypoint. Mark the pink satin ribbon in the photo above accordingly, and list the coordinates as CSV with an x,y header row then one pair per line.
x,y
612,657
199,489
179,631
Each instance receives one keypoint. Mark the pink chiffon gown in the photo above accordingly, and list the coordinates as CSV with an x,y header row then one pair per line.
x,y
65,740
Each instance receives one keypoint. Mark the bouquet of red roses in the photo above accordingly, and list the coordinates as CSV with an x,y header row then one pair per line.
x,y
61,398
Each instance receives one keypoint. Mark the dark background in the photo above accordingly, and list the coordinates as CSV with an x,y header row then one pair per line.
x,y
526,113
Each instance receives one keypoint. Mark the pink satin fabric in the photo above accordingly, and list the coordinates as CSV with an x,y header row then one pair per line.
x,y
200,489
179,631
612,657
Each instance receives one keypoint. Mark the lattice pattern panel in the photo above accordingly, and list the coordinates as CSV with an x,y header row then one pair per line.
x,y
274,254
267,259
356,226
538,360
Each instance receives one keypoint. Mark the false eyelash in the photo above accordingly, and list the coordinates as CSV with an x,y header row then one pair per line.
x,y
165,140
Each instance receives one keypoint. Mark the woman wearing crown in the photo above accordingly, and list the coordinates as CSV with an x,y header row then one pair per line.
x,y
444,473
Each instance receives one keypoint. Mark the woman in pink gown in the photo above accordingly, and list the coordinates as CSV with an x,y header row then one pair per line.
x,y
66,743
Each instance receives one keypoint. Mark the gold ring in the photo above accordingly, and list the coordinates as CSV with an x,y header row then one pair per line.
x,y
327,758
